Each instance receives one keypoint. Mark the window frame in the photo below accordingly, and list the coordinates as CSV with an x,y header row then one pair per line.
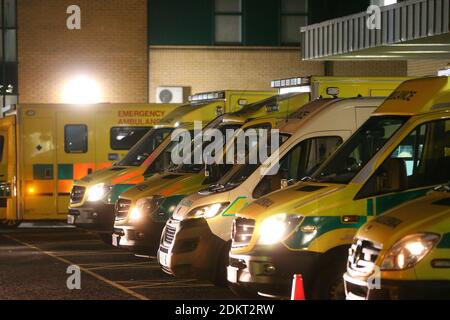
x,y
240,14
127,127
305,149
363,193
291,14
7,77
86,140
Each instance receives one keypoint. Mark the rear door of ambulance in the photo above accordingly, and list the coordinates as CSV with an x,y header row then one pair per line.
x,y
76,143
8,170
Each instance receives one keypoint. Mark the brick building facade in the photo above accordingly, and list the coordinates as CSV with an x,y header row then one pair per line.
x,y
113,49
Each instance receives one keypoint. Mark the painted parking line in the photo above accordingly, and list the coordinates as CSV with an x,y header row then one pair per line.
x,y
82,253
91,273
115,265
164,283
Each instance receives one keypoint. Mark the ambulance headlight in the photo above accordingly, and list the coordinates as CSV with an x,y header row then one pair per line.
x,y
98,192
136,214
409,251
276,228
149,205
209,211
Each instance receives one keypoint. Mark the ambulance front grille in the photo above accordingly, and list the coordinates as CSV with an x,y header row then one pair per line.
x,y
169,234
362,256
77,194
122,207
242,232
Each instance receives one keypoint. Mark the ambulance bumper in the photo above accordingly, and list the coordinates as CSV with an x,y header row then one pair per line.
x,y
95,217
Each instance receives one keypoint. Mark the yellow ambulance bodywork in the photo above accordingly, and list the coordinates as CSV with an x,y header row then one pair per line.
x,y
142,235
330,120
98,214
322,86
404,253
46,147
318,217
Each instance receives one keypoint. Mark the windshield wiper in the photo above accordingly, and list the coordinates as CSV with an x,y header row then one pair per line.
x,y
443,188
309,179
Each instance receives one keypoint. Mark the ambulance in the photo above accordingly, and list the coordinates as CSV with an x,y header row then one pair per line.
x,y
141,235
93,196
404,253
398,155
142,211
196,240
45,147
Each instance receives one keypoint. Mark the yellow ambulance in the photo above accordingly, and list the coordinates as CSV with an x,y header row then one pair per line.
x,y
397,155
139,235
141,212
404,253
196,232
93,196
45,147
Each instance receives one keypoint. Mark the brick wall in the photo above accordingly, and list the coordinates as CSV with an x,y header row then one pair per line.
x,y
111,48
369,68
420,68
205,69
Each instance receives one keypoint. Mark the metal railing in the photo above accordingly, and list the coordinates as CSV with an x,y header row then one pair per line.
x,y
405,21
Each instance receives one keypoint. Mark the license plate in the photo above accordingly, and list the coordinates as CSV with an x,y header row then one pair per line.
x,y
115,240
163,259
70,219
232,274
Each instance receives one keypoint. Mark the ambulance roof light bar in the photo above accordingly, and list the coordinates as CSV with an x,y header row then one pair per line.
x,y
445,72
205,96
291,82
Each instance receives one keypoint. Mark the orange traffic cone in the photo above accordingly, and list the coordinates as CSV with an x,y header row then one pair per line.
x,y
298,291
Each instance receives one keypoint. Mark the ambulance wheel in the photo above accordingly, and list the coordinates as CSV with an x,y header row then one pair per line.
x,y
9,224
106,238
220,272
330,282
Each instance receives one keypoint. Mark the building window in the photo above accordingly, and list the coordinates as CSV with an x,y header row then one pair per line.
x,y
294,14
228,21
76,138
8,52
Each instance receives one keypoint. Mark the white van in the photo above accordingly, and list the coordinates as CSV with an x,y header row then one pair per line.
x,y
196,240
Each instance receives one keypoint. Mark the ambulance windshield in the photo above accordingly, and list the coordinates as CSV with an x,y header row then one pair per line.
x,y
137,155
343,165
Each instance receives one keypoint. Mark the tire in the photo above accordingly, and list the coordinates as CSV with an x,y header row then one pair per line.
x,y
330,282
9,224
106,238
220,271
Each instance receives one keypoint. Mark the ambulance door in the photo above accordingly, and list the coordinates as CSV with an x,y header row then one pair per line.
x,y
75,152
8,172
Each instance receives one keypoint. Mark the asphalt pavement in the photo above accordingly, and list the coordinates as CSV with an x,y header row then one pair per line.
x,y
43,263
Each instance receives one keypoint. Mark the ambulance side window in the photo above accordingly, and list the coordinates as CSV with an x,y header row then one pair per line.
x,y
123,138
300,161
422,159
2,144
75,138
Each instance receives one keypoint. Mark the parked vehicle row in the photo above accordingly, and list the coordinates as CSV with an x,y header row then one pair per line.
x,y
354,195
342,164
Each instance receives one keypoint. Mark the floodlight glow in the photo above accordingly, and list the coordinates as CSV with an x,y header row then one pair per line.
x,y
81,90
